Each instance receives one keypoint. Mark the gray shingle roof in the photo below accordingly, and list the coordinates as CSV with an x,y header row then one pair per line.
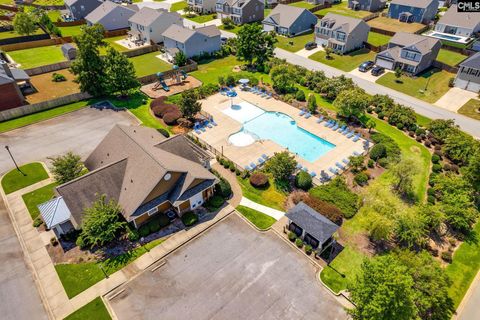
x,y
146,16
472,62
422,43
346,24
413,3
468,20
312,222
284,15
104,9
178,33
209,31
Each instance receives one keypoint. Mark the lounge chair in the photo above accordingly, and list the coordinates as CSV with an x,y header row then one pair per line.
x,y
327,123
313,174
247,167
347,131
208,125
202,128
253,165
356,153
264,156
350,134
345,160
197,131
260,161
305,169
302,112
335,127
308,115
299,166
357,136
269,95
320,119
342,129
332,124
341,166
333,170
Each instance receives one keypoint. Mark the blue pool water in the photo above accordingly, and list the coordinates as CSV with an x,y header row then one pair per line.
x,y
445,37
281,129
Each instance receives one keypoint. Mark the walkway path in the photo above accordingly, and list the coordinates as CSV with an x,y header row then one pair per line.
x,y
234,201
455,98
426,109
274,213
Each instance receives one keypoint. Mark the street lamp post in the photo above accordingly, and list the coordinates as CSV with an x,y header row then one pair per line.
x,y
13,159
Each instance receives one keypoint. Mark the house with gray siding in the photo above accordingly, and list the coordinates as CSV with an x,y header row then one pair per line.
x,y
289,21
341,33
411,53
468,75
147,25
464,24
367,5
202,6
191,42
111,16
79,9
420,11
240,11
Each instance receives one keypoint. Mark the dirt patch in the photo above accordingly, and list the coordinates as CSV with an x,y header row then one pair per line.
x,y
48,89
155,90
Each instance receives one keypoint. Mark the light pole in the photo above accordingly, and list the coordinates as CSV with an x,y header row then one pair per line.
x,y
13,159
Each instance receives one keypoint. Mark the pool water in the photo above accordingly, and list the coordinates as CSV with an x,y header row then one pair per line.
x,y
277,127
446,37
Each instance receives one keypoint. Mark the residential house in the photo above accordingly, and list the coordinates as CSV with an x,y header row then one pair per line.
x,y
69,51
241,11
341,33
468,76
147,25
111,16
144,172
79,9
367,5
317,2
421,11
412,53
289,20
202,6
464,24
191,42
311,226
11,81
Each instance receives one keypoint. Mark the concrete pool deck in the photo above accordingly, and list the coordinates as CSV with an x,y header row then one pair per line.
x,y
217,136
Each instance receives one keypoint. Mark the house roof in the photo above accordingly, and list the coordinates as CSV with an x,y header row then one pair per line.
x,y
8,74
284,15
128,164
146,16
422,43
344,23
54,212
233,3
209,31
413,3
104,9
182,34
472,61
312,222
468,20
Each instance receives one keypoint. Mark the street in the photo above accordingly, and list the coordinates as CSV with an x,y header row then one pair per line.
x,y
470,310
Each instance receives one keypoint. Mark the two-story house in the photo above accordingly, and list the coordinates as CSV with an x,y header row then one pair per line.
x,y
111,16
79,9
464,24
192,43
240,11
468,76
11,95
367,5
411,53
148,24
420,11
341,33
202,6
289,21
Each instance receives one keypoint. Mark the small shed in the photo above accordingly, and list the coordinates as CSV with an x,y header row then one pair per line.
x,y
69,51
56,215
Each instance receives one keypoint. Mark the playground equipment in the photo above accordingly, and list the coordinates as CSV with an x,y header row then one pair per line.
x,y
178,76
161,83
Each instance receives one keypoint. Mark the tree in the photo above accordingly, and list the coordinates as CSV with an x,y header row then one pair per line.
x,y
411,229
383,101
189,106
312,103
254,45
88,67
381,227
398,74
120,73
25,23
472,171
370,124
281,166
356,162
460,146
66,168
383,290
101,222
352,103
432,215
403,173
283,78
180,59
328,53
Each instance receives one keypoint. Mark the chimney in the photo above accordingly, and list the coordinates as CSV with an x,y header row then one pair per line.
x,y
6,68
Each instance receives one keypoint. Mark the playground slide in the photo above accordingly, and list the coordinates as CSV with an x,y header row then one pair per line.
x,y
184,74
164,86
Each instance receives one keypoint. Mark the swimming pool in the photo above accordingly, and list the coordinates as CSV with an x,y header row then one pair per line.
x,y
277,127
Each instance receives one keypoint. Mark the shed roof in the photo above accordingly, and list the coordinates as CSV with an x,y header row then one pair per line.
x,y
54,212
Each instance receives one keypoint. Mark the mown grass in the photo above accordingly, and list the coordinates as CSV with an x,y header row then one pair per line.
x,y
37,197
30,174
449,57
270,196
147,64
343,269
95,309
259,219
471,109
346,62
294,44
35,57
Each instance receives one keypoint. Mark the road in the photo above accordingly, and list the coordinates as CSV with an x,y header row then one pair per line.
x,y
79,132
470,309
421,107
19,299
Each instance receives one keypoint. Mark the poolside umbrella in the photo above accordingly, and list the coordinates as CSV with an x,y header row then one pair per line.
x,y
244,82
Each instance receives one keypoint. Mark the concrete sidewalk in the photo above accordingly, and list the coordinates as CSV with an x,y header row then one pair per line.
x,y
277,214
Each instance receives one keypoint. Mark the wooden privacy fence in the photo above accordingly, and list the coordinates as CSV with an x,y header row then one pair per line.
x,y
69,23
375,48
48,68
12,42
382,31
443,66
8,8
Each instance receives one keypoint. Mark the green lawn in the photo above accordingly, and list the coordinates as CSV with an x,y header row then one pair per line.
x,y
343,269
35,57
78,277
177,6
471,109
202,18
342,9
147,64
116,46
295,43
303,4
465,265
449,57
36,197
54,15
93,310
266,12
6,1
378,39
346,62
437,81
49,2
270,197
13,34
32,173
259,219
71,31
234,30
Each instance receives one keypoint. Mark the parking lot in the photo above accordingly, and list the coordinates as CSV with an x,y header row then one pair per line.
x,y
230,272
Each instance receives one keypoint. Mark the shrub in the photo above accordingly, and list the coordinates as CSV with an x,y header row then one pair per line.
x,y
37,222
435,158
337,194
431,199
214,202
412,134
431,179
451,82
447,167
431,192
447,256
81,242
438,153
172,117
308,249
361,178
144,231
232,167
371,163
303,181
378,110
161,110
328,210
428,143
370,109
133,235
53,241
153,225
419,131
300,95
189,218
437,168
299,242
259,180
56,77
381,116
383,162
438,147
164,132
223,188
163,220
292,236
400,126
378,151
230,80
454,168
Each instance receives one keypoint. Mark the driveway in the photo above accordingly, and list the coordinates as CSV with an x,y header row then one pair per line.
x,y
230,272
455,98
19,298
366,75
424,108
307,53
79,131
